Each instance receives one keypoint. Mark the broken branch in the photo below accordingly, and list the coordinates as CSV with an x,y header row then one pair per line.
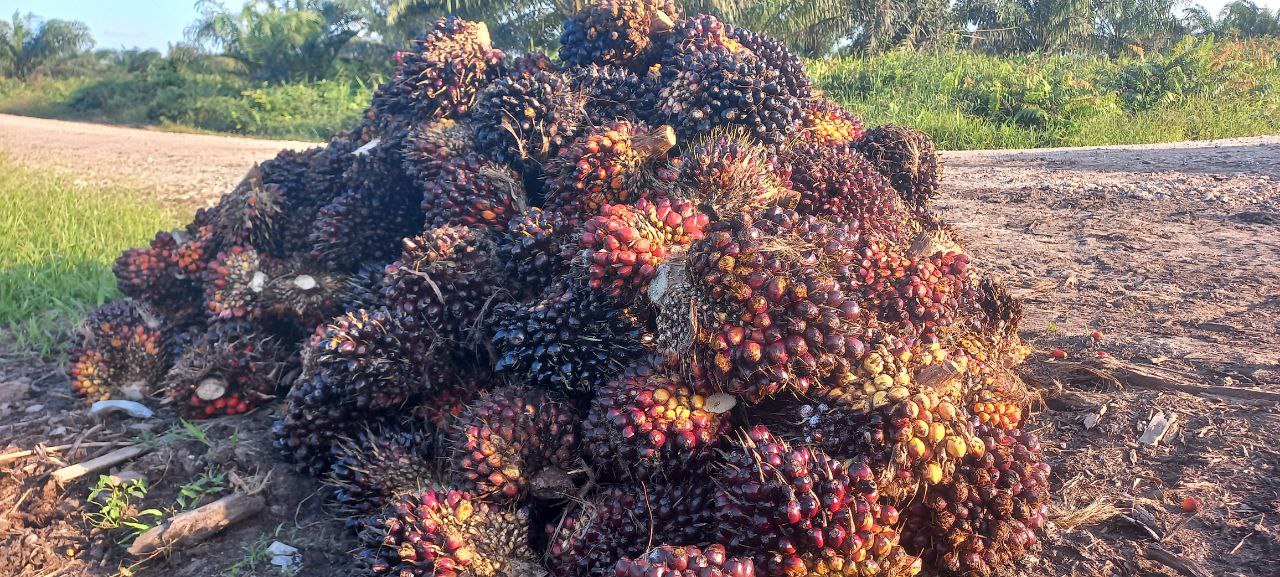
x,y
197,525
1146,377
73,472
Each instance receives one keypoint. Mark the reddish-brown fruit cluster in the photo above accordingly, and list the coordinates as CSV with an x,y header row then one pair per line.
x,y
686,561
616,32
442,74
908,158
988,516
227,370
430,145
234,285
625,521
797,512
624,244
523,121
650,423
445,279
306,296
926,295
472,191
368,359
119,345
513,441
445,533
247,216
605,166
826,123
164,273
839,183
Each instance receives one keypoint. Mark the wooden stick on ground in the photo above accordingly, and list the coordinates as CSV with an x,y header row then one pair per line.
x,y
1151,377
1176,562
73,472
14,456
197,525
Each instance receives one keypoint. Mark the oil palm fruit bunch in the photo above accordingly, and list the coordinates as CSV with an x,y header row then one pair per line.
x,y
650,422
248,215
532,251
305,295
528,119
165,274
121,345
988,516
839,183
569,338
528,64
229,369
472,191
687,561
613,93
616,32
826,123
379,463
608,165
370,359
718,87
624,521
430,146
235,285
798,511
514,441
623,245
908,158
445,533
445,280
727,172
441,73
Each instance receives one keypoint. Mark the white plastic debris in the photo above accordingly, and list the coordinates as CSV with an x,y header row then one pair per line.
x,y
132,408
284,556
363,150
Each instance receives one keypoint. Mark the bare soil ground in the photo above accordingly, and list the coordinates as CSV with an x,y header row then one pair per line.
x,y
1170,251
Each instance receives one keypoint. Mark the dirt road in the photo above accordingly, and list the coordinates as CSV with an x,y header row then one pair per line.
x,y
1171,251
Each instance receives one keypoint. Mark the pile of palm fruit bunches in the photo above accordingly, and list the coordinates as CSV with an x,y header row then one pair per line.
x,y
654,308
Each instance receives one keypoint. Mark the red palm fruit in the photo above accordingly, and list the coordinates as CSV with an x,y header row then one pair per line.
x,y
513,441
839,183
228,369
472,191
687,561
234,285
611,164
624,245
121,344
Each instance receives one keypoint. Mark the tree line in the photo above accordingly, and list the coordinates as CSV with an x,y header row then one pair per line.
x,y
278,41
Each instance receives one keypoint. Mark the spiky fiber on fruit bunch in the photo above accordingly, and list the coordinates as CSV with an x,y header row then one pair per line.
x,y
234,285
686,561
379,207
839,183
613,93
119,345
445,280
908,158
369,357
445,533
723,88
364,288
727,172
305,295
314,416
570,338
473,191
379,463
797,511
771,312
616,32
608,165
165,274
228,369
430,145
988,517
651,422
523,120
826,123
624,244
441,73
247,216
514,441
622,521
532,251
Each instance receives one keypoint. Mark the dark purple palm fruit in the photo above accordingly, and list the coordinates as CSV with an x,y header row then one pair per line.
x,y
364,288
248,215
623,245
570,338
235,284
372,363
441,73
651,422
797,511
685,561
228,369
445,533
990,514
610,164
120,345
768,309
527,65
524,121
445,280
840,184
621,521
617,32
472,191
430,146
379,463
307,181
516,441
314,416
532,251
826,123
908,158
614,93
727,172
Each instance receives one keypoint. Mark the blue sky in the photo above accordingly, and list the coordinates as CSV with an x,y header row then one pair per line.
x,y
156,23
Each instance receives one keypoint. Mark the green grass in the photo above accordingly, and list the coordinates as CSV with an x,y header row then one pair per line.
x,y
56,253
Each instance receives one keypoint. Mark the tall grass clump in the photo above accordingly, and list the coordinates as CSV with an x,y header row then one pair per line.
x,y
60,240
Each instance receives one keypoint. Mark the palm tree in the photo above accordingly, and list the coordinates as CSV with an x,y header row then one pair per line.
x,y
1006,26
1247,20
28,43
278,40
1123,23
